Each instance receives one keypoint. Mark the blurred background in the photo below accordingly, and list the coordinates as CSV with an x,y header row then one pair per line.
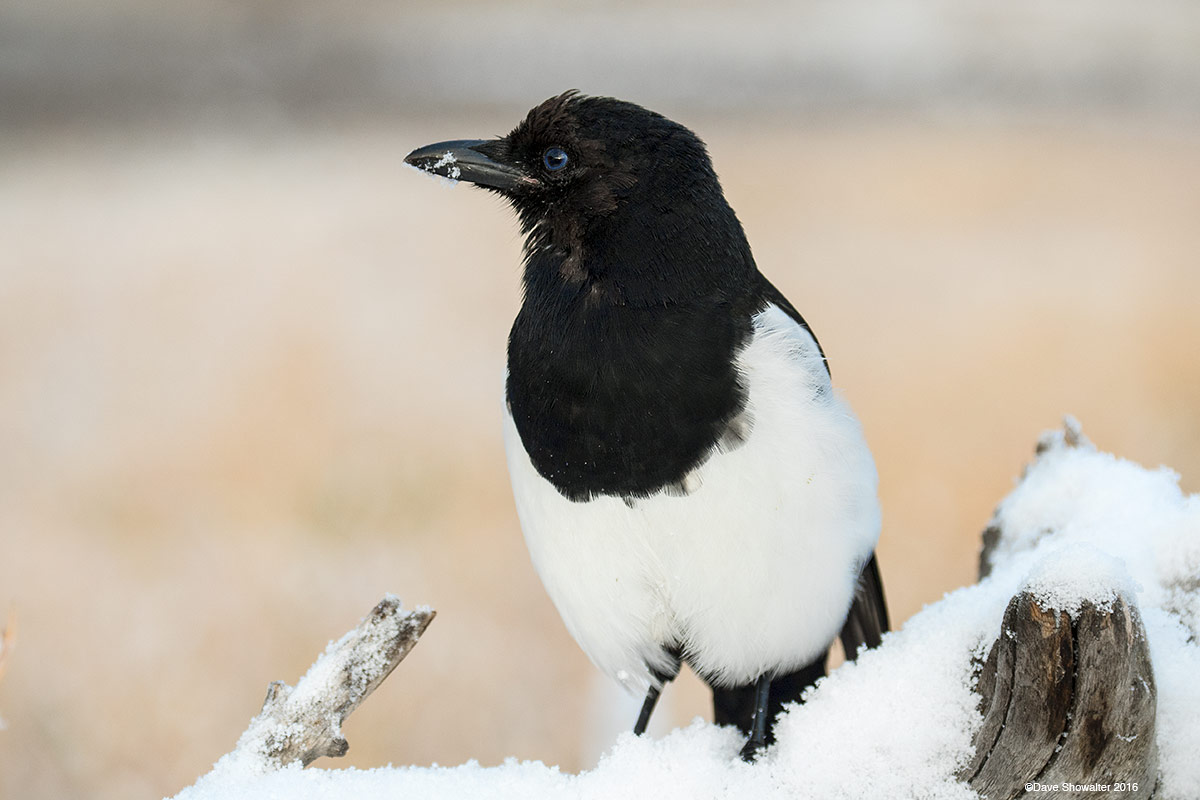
x,y
250,365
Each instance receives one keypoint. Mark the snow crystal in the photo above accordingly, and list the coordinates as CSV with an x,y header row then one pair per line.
x,y
1081,526
444,180
447,160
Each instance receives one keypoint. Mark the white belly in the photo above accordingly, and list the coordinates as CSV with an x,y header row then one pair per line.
x,y
753,571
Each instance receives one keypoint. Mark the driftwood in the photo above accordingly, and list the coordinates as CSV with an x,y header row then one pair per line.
x,y
304,723
1068,700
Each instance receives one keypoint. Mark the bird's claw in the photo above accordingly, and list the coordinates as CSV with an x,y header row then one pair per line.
x,y
752,750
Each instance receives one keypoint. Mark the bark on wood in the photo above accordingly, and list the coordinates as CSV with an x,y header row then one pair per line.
x,y
1066,700
304,723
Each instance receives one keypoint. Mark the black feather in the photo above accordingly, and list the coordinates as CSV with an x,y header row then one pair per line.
x,y
868,618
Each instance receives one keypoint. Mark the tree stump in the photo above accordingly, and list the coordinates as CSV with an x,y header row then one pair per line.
x,y
1068,699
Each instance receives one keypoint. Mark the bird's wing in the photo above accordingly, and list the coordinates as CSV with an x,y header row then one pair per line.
x,y
773,295
868,618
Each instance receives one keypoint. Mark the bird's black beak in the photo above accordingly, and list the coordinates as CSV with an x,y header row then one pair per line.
x,y
461,160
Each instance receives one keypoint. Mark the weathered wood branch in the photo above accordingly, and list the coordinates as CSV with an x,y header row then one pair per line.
x,y
304,723
1067,698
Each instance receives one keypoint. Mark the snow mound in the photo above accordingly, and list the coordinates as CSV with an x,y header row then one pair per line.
x,y
1081,526
1070,575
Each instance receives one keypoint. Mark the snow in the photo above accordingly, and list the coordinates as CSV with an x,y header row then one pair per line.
x,y
1070,575
1081,526
449,177
447,160
445,180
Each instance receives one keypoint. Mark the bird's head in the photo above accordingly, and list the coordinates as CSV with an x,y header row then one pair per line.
x,y
592,177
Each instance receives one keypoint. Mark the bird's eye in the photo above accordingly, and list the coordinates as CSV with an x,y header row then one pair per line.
x,y
555,159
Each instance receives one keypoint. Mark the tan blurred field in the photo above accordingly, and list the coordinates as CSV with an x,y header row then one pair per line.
x,y
250,383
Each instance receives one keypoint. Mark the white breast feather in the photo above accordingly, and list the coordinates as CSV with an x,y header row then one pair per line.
x,y
754,570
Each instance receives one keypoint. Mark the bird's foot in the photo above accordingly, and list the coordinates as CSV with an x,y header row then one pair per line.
x,y
752,750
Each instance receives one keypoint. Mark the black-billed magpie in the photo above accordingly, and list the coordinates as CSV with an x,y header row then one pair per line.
x,y
690,486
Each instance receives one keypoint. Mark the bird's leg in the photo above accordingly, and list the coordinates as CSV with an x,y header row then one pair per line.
x,y
758,723
647,709
660,679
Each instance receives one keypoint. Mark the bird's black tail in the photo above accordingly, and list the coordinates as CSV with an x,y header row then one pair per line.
x,y
865,626
868,618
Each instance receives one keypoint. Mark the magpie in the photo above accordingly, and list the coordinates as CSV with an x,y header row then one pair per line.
x,y
690,487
